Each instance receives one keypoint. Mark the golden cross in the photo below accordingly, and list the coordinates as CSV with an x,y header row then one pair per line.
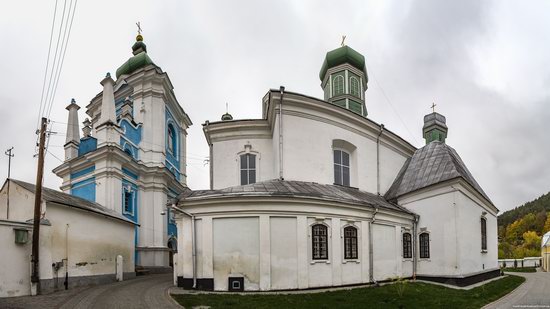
x,y
138,24
343,39
433,107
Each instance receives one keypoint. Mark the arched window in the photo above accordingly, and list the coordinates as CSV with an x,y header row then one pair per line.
x,y
248,169
319,242
338,85
171,139
350,243
407,246
341,167
484,234
354,86
424,246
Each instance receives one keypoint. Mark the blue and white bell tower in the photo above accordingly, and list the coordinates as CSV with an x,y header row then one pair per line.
x,y
131,157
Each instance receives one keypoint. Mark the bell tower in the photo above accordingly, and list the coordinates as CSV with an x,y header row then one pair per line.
x,y
344,79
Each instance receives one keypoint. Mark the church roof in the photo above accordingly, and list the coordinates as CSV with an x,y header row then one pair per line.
x,y
133,64
291,189
432,164
341,55
50,195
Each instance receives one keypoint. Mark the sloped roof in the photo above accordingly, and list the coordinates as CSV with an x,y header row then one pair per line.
x,y
432,164
288,188
50,195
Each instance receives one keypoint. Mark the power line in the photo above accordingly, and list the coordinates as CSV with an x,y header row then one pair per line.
x,y
47,64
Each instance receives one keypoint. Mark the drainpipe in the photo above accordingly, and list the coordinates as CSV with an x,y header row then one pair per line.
x,y
414,237
193,242
66,283
282,91
378,159
211,154
371,248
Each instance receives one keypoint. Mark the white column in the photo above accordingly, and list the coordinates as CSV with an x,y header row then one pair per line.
x,y
265,253
207,249
365,251
73,133
336,252
303,260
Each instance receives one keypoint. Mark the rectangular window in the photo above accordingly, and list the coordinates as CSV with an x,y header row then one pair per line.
x,y
341,168
248,168
128,202
350,243
483,234
407,246
319,239
424,246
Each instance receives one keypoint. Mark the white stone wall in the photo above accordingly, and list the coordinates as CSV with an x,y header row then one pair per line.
x,y
272,249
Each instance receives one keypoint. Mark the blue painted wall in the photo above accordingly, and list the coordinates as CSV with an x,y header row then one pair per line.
x,y
172,160
131,138
84,189
172,229
83,172
87,144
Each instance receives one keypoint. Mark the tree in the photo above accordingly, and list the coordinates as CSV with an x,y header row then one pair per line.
x,y
546,225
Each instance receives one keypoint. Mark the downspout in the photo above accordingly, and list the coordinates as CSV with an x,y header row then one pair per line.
x,y
211,155
378,159
371,248
193,242
415,257
282,91
66,283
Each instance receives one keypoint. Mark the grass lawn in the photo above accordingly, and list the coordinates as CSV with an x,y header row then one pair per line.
x,y
415,295
522,270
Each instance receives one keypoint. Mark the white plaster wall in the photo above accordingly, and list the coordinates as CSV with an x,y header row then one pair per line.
x,y
385,252
391,163
227,164
472,260
438,215
15,263
284,253
236,251
21,204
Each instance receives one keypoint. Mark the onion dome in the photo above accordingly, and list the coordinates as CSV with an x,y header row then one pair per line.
x,y
138,61
344,54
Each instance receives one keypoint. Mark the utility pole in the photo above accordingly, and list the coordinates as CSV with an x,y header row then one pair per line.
x,y
10,155
35,276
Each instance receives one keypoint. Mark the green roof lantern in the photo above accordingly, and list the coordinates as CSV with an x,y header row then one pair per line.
x,y
344,79
138,61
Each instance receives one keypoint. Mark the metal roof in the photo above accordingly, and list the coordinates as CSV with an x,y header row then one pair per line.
x,y
301,189
432,164
50,195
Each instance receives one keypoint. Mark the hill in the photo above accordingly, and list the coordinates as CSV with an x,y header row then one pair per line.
x,y
520,229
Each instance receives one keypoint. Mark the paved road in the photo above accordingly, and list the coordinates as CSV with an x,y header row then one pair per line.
x,y
534,293
149,291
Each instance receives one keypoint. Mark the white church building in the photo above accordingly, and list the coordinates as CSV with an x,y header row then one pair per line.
x,y
316,194
131,157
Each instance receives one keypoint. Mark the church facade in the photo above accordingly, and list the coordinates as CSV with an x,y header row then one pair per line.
x,y
131,157
315,194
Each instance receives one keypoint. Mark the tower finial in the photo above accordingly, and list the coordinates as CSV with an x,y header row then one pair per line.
x,y
139,37
433,107
343,40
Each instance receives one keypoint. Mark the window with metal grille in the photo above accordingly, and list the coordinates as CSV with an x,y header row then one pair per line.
x,y
338,85
319,239
248,169
424,246
407,246
341,167
350,243
483,234
128,202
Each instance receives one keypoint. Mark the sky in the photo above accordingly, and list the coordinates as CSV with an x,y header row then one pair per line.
x,y
484,63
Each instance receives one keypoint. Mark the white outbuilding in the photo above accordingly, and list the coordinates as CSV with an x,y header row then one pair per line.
x,y
315,194
79,241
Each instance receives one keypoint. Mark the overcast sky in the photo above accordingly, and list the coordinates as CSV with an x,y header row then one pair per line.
x,y
485,64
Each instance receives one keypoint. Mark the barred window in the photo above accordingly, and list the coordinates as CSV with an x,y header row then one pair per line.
x,y
248,169
319,238
483,234
407,246
350,243
424,246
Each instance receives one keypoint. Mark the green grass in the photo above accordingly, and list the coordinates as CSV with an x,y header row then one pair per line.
x,y
522,270
415,295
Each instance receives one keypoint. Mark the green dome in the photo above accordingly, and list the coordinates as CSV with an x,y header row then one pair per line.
x,y
133,64
344,54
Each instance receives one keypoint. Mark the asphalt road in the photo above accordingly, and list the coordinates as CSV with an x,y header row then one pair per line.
x,y
149,291
534,293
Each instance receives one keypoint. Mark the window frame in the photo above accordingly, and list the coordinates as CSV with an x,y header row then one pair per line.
x,y
352,255
127,189
424,245
483,226
321,256
338,80
357,93
341,167
172,139
406,252
248,169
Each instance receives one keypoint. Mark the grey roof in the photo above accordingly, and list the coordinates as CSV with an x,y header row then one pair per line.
x,y
302,189
50,195
432,164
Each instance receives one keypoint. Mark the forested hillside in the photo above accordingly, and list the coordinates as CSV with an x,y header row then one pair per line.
x,y
520,229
